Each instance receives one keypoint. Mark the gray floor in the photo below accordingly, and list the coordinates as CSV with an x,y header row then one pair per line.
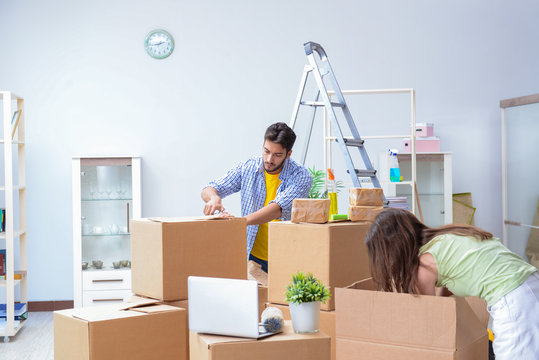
x,y
34,341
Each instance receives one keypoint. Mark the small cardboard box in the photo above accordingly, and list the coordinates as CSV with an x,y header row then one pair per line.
x,y
285,345
327,323
335,253
366,196
140,330
378,325
165,251
310,211
429,144
363,213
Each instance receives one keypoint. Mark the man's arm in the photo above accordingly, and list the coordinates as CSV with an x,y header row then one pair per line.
x,y
266,214
212,200
220,188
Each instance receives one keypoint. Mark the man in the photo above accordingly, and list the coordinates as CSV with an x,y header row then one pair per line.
x,y
268,185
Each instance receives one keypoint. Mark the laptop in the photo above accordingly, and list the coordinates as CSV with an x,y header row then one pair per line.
x,y
224,307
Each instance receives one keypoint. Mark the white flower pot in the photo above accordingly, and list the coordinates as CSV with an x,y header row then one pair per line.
x,y
305,317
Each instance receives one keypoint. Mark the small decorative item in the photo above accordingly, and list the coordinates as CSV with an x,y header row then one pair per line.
x,y
84,265
304,295
272,319
124,263
159,44
98,264
116,264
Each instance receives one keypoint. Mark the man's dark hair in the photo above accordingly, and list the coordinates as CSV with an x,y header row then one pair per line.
x,y
281,134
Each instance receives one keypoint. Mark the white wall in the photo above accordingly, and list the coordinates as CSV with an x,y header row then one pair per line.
x,y
90,88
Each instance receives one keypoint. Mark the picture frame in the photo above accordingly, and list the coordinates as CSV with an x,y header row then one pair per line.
x,y
15,122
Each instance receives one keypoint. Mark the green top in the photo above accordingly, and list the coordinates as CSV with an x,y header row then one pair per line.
x,y
470,267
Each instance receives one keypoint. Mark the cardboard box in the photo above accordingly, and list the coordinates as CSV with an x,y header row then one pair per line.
x,y
363,213
285,345
479,307
164,252
378,325
366,196
141,330
327,323
310,211
335,253
428,144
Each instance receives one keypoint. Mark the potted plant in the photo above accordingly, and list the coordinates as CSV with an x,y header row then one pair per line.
x,y
304,295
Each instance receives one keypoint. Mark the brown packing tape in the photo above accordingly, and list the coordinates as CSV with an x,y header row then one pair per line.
x,y
363,213
366,197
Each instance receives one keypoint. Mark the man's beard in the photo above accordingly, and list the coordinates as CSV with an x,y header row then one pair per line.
x,y
276,168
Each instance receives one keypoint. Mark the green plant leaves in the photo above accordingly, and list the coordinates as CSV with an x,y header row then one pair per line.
x,y
318,190
306,288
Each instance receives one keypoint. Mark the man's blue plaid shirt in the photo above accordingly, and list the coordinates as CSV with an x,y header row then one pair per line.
x,y
248,177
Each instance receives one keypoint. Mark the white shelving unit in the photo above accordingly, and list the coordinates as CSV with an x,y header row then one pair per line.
x,y
106,195
329,138
14,197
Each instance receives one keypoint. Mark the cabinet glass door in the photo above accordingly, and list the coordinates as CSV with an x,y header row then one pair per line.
x,y
106,208
521,202
430,185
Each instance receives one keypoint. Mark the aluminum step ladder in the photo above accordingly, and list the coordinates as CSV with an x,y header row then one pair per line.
x,y
320,69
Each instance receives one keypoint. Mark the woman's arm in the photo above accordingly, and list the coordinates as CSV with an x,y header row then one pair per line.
x,y
427,275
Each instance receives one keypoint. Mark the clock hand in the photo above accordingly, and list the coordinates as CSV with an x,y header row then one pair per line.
x,y
159,43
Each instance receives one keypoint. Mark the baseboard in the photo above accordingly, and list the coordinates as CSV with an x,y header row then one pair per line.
x,y
34,306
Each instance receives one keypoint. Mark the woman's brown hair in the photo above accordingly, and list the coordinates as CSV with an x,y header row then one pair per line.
x,y
393,242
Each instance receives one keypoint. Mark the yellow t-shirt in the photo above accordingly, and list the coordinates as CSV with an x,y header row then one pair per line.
x,y
260,247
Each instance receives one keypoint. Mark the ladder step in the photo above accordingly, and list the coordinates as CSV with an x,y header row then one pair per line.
x,y
320,103
353,142
364,173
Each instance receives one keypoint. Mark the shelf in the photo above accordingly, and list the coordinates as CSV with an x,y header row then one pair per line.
x,y
99,200
17,325
14,142
4,282
104,235
15,233
21,187
107,268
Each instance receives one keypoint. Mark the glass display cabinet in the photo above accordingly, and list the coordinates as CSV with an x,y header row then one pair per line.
x,y
106,196
434,185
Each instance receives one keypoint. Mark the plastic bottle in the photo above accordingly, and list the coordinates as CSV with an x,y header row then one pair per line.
x,y
332,194
394,171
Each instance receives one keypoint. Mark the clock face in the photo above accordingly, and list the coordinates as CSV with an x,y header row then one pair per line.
x,y
159,44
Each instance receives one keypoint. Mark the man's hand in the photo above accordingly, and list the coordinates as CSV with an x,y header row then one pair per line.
x,y
213,205
213,201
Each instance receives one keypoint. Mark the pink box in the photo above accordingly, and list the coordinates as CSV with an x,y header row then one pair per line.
x,y
430,144
424,129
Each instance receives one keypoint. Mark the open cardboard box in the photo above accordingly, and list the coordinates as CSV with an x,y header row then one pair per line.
x,y
335,253
165,251
285,345
378,325
139,330
327,323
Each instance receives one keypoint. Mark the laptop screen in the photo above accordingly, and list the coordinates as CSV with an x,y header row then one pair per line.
x,y
223,306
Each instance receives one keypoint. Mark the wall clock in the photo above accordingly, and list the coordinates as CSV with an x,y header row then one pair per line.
x,y
159,44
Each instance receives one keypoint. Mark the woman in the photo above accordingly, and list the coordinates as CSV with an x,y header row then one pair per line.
x,y
407,256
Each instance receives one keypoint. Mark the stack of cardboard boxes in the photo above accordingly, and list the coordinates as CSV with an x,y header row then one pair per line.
x,y
154,324
365,203
334,252
164,252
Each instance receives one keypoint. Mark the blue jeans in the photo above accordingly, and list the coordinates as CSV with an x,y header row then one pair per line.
x,y
263,263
